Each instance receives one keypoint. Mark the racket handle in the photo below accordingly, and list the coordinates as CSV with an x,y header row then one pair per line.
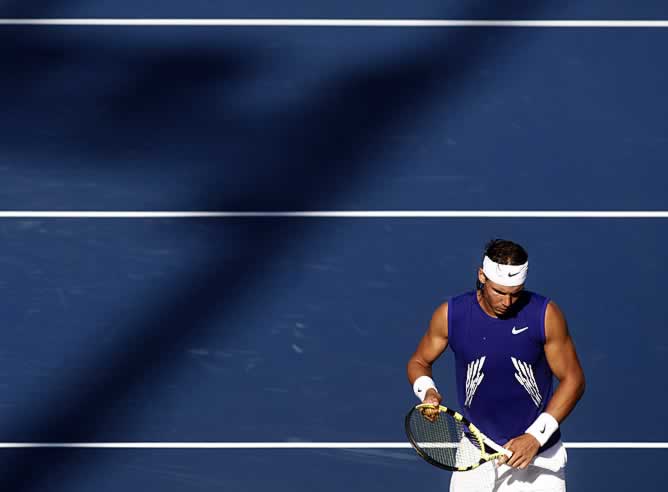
x,y
497,448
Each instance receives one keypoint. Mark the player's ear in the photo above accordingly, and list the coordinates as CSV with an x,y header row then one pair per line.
x,y
481,277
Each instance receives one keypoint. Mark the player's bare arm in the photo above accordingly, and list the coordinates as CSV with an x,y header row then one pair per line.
x,y
433,344
563,360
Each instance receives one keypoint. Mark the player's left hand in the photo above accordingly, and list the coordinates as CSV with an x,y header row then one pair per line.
x,y
524,449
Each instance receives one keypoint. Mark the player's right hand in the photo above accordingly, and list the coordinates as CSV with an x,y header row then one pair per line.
x,y
432,397
524,449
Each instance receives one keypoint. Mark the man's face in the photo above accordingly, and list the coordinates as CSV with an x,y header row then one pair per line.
x,y
499,298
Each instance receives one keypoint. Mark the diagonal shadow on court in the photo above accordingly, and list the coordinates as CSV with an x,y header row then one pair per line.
x,y
314,152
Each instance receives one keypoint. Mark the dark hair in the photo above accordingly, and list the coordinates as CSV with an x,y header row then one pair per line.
x,y
504,252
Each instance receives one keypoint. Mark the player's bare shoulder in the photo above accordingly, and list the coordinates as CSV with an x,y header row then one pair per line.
x,y
555,321
439,321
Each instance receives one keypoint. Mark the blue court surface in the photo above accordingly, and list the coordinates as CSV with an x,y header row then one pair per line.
x,y
265,329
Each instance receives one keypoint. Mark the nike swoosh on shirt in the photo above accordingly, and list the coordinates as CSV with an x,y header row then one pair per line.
x,y
515,331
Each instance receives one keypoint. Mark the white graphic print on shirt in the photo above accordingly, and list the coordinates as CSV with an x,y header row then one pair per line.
x,y
474,377
525,377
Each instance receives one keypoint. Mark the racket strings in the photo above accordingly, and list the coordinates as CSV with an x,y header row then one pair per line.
x,y
445,440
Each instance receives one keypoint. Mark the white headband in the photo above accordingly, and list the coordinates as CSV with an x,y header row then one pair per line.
x,y
507,275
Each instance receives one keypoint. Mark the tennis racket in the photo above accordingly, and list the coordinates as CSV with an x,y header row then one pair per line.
x,y
451,442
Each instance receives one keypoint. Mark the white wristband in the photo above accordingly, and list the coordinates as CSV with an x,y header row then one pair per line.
x,y
421,385
543,427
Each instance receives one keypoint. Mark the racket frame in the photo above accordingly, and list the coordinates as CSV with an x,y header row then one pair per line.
x,y
481,439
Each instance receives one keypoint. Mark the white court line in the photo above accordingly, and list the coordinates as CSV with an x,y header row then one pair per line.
x,y
337,22
293,445
392,214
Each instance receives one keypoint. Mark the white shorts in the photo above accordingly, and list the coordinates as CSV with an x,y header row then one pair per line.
x,y
491,477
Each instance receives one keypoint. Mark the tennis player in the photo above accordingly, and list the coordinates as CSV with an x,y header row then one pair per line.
x,y
508,344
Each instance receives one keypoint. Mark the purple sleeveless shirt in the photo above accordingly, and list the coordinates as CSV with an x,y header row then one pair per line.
x,y
502,377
